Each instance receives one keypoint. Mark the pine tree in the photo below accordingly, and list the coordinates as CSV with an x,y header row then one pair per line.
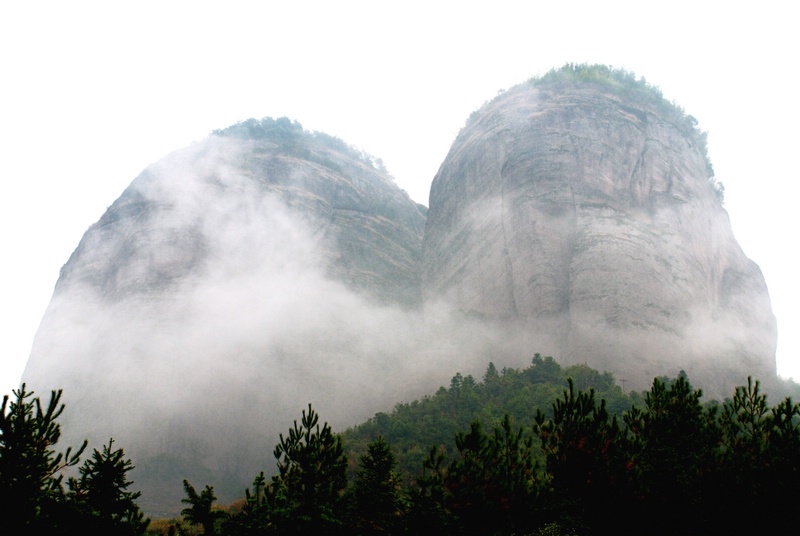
x,y
427,513
492,484
758,462
673,441
306,494
201,510
101,493
378,502
253,519
30,484
585,457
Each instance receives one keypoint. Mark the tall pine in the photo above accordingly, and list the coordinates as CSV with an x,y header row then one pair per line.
x,y
31,490
377,499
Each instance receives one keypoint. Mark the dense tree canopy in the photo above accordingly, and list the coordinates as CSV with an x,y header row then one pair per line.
x,y
377,500
32,491
593,460
30,480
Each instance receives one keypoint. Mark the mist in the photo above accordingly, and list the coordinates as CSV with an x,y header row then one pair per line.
x,y
196,327
266,268
605,229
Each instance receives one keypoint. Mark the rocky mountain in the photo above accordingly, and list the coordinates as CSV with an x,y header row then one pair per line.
x,y
230,284
153,235
582,208
266,267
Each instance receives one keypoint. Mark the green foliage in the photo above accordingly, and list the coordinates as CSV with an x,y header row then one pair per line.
x,y
668,453
255,502
673,443
281,130
254,515
619,81
434,420
30,484
312,473
632,89
491,485
671,455
378,502
758,459
101,495
634,94
306,496
587,466
427,514
201,509
292,139
32,491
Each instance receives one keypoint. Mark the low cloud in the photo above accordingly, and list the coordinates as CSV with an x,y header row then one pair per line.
x,y
213,365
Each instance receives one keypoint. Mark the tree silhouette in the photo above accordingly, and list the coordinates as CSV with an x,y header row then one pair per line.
x,y
587,467
305,495
201,508
492,483
377,499
30,484
674,439
101,494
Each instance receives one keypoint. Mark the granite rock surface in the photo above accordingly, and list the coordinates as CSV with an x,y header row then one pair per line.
x,y
586,215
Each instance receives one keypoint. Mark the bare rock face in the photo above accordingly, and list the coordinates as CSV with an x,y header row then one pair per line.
x,y
579,207
232,283
266,267
160,230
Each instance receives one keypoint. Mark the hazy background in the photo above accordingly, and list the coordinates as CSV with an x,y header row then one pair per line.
x,y
224,322
93,92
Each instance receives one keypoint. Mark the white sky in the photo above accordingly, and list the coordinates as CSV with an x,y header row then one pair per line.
x,y
92,93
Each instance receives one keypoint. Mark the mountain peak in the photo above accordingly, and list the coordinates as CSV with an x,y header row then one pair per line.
x,y
580,205
266,267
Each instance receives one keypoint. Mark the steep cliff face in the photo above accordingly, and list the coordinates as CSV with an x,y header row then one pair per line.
x,y
163,227
267,267
231,284
579,207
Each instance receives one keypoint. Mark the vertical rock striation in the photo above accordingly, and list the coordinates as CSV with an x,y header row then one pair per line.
x,y
266,267
580,209
232,283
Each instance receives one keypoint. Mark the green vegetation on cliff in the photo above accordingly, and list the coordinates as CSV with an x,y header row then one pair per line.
x,y
635,95
292,139
630,88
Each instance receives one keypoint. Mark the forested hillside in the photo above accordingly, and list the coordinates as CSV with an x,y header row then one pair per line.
x,y
543,450
413,427
268,266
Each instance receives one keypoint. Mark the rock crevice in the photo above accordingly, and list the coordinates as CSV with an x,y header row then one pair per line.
x,y
621,253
